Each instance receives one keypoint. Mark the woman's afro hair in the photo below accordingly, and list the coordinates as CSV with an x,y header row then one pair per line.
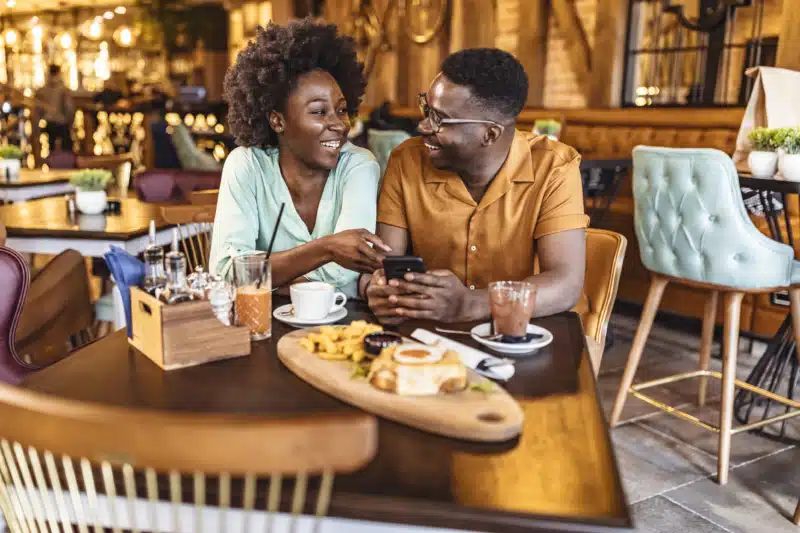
x,y
268,68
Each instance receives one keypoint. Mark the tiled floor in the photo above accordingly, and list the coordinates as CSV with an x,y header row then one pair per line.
x,y
669,465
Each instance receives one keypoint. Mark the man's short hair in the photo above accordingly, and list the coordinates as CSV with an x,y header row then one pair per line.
x,y
497,80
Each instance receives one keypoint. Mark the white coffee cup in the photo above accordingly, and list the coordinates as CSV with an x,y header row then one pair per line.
x,y
315,300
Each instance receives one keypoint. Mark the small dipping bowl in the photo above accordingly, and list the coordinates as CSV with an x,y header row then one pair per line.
x,y
375,342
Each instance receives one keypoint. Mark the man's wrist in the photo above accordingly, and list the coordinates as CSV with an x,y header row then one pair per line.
x,y
475,306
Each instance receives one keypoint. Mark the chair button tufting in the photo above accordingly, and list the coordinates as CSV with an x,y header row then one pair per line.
x,y
738,257
713,218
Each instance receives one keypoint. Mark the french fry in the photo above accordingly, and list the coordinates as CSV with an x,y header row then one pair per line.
x,y
333,356
339,343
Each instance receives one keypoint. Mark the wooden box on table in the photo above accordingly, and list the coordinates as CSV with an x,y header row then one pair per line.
x,y
184,334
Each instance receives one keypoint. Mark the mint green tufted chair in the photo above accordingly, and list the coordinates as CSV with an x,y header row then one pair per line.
x,y
382,142
693,230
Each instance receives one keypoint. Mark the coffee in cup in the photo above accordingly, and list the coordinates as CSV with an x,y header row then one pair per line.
x,y
315,300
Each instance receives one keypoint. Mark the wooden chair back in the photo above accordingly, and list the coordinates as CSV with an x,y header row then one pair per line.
x,y
121,165
195,224
208,197
69,463
58,306
605,252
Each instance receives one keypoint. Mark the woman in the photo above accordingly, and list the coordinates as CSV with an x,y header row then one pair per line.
x,y
291,94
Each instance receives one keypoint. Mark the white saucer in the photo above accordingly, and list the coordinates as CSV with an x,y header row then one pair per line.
x,y
512,349
285,314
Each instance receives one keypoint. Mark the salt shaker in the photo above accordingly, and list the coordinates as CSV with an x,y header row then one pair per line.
x,y
221,299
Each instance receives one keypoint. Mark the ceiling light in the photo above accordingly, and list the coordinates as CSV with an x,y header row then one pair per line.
x,y
120,10
108,15
11,3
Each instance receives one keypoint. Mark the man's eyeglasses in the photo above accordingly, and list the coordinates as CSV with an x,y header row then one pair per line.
x,y
437,121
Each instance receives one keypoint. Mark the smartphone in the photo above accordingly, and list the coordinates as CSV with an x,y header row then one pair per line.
x,y
396,266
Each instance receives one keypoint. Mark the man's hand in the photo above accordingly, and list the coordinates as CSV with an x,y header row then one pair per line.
x,y
378,294
436,295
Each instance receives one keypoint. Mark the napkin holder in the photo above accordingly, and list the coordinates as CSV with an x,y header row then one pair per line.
x,y
184,334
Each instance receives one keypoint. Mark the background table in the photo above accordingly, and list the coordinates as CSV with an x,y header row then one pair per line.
x,y
778,369
45,227
36,183
559,475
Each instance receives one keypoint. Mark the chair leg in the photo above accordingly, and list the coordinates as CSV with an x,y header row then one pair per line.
x,y
796,518
794,297
730,349
707,341
654,294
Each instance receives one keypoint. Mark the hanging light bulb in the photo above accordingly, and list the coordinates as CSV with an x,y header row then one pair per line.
x,y
108,15
96,29
11,37
11,3
65,41
120,10
123,36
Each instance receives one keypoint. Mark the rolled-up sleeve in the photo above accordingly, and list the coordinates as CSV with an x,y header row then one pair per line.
x,y
236,220
562,206
358,211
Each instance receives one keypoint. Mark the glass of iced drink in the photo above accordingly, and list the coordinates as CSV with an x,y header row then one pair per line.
x,y
252,278
512,304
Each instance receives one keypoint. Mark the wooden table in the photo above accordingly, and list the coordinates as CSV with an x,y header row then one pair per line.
x,y
36,183
45,227
560,475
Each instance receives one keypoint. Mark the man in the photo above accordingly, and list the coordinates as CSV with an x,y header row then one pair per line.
x,y
479,201
55,100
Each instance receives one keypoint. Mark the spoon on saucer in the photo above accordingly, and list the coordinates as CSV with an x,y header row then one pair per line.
x,y
495,337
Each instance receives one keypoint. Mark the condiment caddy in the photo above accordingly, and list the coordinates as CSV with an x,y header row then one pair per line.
x,y
179,320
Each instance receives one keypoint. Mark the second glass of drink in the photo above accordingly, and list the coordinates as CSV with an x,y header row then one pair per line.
x,y
252,278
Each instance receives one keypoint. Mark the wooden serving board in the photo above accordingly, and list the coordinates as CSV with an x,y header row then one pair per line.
x,y
469,414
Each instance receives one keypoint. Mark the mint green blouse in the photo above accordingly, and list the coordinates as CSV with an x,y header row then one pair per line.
x,y
250,197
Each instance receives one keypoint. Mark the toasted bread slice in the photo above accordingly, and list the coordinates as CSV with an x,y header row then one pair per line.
x,y
447,374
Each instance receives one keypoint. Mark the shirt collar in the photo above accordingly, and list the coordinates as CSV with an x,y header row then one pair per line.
x,y
517,168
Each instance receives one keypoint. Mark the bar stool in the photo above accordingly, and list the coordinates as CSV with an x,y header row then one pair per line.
x,y
693,230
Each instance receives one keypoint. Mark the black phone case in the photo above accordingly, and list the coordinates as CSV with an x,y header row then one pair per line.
x,y
396,267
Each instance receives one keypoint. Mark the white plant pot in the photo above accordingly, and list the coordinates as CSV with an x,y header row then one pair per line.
x,y
790,166
10,169
763,164
90,202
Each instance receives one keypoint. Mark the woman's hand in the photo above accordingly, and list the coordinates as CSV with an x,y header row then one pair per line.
x,y
378,293
351,249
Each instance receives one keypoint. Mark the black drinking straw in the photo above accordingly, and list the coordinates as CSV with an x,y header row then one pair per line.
x,y
271,242
275,231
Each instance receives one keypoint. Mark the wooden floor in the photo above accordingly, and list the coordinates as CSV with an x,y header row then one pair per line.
x,y
668,464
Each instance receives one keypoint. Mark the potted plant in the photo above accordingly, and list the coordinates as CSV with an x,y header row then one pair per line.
x,y
549,127
10,163
763,160
90,190
790,160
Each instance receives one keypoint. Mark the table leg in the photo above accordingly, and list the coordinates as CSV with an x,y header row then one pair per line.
x,y
777,371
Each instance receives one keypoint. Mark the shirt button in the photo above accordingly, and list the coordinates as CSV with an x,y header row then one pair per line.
x,y
472,287
473,248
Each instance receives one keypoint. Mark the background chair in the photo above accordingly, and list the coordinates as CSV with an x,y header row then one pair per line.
x,y
382,142
42,319
67,462
195,223
208,197
14,278
693,229
57,307
605,252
